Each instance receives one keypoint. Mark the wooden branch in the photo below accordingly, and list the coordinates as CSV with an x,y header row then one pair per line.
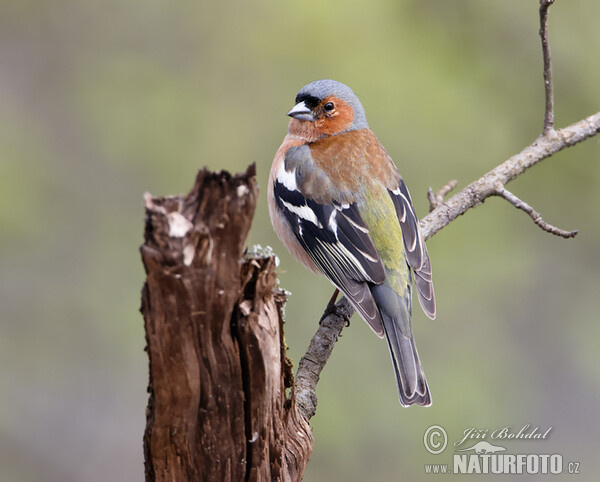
x,y
537,217
475,193
316,356
218,408
548,81
443,213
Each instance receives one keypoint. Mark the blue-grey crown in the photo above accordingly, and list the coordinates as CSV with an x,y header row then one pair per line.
x,y
323,88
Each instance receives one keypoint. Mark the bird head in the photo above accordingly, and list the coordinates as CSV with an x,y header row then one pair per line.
x,y
325,108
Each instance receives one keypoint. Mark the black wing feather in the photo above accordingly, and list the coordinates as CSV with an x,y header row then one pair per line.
x,y
337,240
414,247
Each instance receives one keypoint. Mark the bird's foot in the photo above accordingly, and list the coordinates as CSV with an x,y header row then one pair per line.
x,y
332,309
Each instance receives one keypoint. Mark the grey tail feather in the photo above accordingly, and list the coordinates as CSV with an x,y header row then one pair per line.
x,y
410,377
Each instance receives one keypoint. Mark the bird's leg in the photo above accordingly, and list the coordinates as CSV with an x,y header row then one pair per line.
x,y
331,308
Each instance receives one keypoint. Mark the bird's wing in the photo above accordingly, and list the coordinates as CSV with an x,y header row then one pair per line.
x,y
414,247
331,230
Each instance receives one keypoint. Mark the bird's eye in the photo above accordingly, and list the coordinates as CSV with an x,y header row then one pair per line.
x,y
328,107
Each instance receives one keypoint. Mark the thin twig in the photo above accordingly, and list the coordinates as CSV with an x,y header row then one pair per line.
x,y
537,217
548,82
437,198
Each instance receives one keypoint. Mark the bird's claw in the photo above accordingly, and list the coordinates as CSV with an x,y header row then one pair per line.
x,y
336,311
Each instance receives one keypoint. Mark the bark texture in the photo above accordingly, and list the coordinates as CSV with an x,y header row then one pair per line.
x,y
218,408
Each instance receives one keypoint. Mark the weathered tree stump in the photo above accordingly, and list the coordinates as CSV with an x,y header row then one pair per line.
x,y
219,408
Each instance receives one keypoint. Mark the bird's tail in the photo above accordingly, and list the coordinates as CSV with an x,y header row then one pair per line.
x,y
395,314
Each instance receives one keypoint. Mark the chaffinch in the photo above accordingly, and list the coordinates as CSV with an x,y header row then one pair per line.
x,y
340,206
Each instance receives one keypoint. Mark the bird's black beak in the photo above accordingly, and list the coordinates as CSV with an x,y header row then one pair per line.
x,y
301,112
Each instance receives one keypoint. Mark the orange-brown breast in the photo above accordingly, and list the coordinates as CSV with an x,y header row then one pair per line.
x,y
353,159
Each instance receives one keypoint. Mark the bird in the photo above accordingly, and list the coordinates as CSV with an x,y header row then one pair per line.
x,y
340,206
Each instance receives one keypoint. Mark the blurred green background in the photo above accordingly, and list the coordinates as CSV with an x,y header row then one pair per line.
x,y
101,101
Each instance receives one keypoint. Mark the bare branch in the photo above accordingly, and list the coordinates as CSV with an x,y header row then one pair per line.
x,y
316,356
476,192
492,183
548,82
537,217
547,144
435,199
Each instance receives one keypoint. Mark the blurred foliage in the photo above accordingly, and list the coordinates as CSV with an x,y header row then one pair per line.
x,y
102,101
